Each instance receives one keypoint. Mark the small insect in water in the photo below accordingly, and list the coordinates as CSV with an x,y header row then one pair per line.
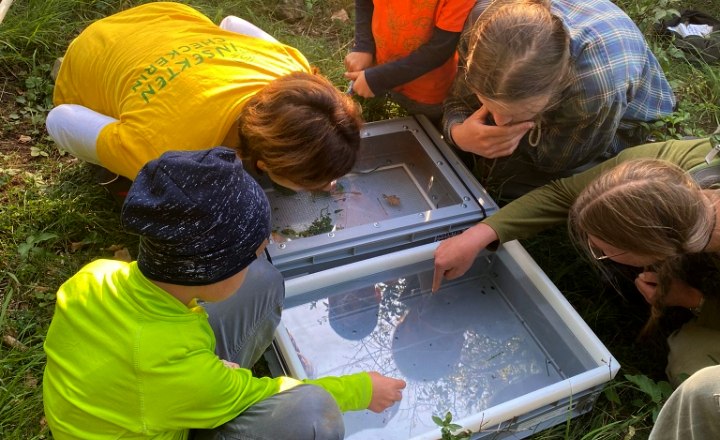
x,y
392,200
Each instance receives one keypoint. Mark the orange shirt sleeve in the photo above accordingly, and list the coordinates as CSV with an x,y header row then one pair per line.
x,y
451,14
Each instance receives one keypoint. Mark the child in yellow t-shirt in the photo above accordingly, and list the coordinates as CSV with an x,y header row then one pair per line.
x,y
162,76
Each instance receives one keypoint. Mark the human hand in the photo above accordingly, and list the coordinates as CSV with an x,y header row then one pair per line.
x,y
356,61
385,391
646,283
455,255
490,141
360,86
229,364
680,294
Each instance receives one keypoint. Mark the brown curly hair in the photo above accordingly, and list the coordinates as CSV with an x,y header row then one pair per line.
x,y
303,128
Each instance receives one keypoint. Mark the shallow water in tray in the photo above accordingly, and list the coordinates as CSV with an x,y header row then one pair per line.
x,y
358,199
462,350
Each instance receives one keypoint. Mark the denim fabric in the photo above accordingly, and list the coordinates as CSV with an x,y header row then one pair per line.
x,y
306,412
244,324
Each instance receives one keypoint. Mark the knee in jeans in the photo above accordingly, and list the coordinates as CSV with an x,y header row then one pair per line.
x,y
321,410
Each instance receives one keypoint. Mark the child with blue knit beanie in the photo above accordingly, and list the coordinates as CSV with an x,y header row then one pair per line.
x,y
160,347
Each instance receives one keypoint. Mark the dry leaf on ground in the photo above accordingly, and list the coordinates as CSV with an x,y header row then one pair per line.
x,y
341,15
11,342
122,255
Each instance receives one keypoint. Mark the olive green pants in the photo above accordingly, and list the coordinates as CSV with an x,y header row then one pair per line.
x,y
696,344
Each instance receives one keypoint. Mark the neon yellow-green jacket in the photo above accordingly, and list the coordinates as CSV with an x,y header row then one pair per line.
x,y
125,359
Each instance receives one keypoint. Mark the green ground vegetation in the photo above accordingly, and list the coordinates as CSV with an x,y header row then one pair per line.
x,y
54,219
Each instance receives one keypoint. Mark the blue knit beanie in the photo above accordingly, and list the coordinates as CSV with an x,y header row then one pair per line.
x,y
199,215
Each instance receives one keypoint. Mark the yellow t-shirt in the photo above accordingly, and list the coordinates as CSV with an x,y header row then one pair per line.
x,y
173,79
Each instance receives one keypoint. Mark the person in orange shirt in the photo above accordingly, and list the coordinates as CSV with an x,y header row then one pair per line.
x,y
407,48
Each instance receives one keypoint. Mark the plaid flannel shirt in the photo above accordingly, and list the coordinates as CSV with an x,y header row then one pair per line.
x,y
616,83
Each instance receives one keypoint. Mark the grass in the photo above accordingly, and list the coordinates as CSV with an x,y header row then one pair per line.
x,y
54,219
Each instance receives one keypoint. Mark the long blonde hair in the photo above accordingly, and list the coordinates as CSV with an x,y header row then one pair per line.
x,y
518,50
651,208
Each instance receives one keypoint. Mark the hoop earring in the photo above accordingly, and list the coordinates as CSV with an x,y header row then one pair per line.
x,y
534,136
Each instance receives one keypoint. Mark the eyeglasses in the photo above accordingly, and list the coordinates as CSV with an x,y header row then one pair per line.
x,y
598,253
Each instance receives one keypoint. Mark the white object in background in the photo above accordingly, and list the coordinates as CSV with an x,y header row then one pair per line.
x,y
700,30
4,6
244,27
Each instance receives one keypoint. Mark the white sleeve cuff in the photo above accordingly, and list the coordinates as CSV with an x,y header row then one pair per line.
x,y
244,27
76,128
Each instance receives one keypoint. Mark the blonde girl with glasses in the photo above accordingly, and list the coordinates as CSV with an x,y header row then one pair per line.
x,y
652,214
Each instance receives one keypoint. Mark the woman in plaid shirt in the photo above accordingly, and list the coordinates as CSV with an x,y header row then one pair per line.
x,y
547,88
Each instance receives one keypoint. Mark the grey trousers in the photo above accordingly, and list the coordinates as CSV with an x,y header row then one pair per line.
x,y
244,325
693,410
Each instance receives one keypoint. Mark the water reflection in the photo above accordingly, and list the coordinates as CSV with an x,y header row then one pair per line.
x,y
357,199
461,350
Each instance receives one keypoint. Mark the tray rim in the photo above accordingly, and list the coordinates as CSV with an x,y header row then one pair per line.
x,y
606,366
